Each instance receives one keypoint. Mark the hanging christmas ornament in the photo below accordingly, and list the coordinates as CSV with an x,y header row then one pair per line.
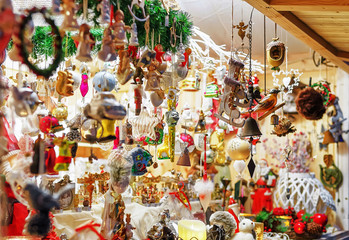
x,y
65,153
141,160
89,129
60,112
184,159
290,80
144,124
104,8
157,97
64,85
86,40
310,104
104,81
163,152
153,77
107,52
204,189
283,127
233,93
57,44
172,117
24,101
138,96
119,29
159,132
49,124
275,53
120,166
239,166
188,139
124,72
70,22
238,149
139,4
104,106
133,43
84,70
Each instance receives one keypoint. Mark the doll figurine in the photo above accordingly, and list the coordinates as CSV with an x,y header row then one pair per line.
x,y
133,38
70,22
124,72
153,78
107,52
85,41
65,154
133,44
120,29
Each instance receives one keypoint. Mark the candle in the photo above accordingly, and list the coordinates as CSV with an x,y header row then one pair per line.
x,y
191,229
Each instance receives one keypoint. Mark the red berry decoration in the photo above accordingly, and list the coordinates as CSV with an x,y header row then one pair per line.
x,y
278,211
300,214
320,219
299,228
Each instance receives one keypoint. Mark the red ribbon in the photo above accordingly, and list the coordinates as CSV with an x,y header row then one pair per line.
x,y
177,195
205,160
91,226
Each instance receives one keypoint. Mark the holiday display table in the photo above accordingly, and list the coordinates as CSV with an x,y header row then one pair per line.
x,y
142,217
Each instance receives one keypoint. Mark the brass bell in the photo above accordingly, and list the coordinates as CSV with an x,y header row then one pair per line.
x,y
251,128
274,119
328,138
184,159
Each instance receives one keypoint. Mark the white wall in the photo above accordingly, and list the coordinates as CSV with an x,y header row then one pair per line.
x,y
342,159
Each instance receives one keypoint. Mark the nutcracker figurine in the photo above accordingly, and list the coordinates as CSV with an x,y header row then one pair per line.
x,y
262,196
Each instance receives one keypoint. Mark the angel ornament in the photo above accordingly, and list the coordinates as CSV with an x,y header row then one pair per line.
x,y
120,29
70,22
153,78
85,42
107,52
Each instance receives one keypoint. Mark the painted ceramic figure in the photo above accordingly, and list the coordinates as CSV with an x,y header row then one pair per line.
x,y
70,22
107,52
120,29
86,40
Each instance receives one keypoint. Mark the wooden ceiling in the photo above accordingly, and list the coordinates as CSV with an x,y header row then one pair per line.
x,y
321,24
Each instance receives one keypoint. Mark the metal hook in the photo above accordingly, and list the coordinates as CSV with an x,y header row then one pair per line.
x,y
140,4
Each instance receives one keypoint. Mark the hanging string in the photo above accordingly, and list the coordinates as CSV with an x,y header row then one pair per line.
x,y
275,30
265,57
84,9
111,14
232,28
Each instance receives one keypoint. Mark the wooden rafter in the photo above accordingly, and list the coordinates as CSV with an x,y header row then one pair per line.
x,y
309,5
302,31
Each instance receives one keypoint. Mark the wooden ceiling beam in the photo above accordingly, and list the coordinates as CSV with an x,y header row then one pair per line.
x,y
309,5
300,30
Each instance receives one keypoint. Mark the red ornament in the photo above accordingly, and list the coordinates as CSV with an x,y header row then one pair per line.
x,y
320,219
48,123
300,214
299,228
187,138
278,211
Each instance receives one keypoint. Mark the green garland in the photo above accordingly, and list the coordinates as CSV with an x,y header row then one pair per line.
x,y
157,13
43,40
56,43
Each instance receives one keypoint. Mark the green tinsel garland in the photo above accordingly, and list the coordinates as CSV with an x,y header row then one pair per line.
x,y
157,13
42,40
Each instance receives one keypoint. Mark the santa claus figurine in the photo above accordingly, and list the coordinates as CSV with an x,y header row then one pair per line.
x,y
262,196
